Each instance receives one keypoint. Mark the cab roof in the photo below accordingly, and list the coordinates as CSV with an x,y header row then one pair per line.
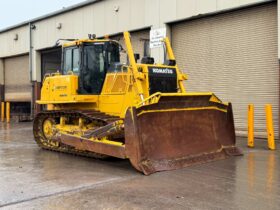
x,y
81,41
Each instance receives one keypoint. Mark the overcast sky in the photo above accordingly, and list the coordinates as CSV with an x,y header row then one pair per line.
x,y
16,11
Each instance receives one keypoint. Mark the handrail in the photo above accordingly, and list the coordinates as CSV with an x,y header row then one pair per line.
x,y
45,76
55,74
152,99
70,72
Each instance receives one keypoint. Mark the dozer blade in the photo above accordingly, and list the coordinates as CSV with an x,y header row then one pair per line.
x,y
179,131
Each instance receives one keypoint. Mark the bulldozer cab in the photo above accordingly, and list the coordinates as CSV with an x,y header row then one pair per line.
x,y
91,61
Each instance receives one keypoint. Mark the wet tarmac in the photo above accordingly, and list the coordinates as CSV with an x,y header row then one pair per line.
x,y
32,178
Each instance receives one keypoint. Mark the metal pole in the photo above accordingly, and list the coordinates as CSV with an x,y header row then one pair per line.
x,y
269,127
2,111
250,125
8,116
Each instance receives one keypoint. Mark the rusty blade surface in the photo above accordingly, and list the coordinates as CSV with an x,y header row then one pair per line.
x,y
164,136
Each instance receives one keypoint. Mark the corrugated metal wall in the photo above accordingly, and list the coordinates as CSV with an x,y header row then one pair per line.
x,y
17,84
235,56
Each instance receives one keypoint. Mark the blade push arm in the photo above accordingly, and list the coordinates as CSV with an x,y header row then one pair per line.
x,y
137,75
170,54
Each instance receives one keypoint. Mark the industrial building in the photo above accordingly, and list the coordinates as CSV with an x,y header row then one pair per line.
x,y
226,47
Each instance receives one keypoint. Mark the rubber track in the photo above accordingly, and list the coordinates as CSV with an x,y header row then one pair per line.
x,y
89,115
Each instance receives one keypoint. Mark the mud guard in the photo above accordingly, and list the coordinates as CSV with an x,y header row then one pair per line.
x,y
168,135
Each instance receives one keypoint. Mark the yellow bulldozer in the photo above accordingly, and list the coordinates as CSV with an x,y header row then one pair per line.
x,y
100,107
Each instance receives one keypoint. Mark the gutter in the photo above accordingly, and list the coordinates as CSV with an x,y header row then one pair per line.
x,y
52,14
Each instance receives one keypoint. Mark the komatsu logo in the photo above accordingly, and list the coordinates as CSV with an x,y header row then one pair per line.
x,y
162,71
60,87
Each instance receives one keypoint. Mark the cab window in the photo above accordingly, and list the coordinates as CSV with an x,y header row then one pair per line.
x,y
71,60
76,59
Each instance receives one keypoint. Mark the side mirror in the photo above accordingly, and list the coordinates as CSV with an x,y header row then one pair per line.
x,y
136,57
148,60
121,49
172,63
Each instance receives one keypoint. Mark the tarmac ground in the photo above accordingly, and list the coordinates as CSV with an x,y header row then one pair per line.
x,y
32,178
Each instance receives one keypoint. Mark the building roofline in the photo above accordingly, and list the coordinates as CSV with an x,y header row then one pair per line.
x,y
52,14
89,2
199,16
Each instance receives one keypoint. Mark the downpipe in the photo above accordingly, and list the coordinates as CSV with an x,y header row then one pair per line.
x,y
31,70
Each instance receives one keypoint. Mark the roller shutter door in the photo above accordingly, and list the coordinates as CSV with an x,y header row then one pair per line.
x,y
235,56
51,61
17,84
138,42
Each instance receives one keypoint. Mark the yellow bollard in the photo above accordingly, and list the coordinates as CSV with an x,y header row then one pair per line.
x,y
250,125
8,111
269,127
2,111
